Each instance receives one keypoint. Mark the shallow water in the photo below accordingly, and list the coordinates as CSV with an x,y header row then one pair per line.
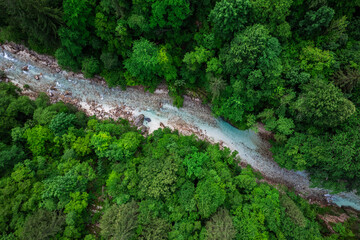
x,y
193,116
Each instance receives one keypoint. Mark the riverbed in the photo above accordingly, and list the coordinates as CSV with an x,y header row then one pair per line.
x,y
42,74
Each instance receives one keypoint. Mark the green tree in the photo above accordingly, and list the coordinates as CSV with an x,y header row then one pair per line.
x,y
347,80
21,109
43,225
39,20
76,34
315,23
244,51
217,85
194,163
57,190
120,222
90,67
229,17
209,195
144,63
323,105
110,60
157,178
125,147
39,139
61,123
78,203
43,116
196,58
253,61
272,13
316,61
157,229
336,35
101,143
186,196
220,226
292,210
9,156
169,13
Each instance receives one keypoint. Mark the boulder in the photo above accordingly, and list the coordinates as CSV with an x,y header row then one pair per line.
x,y
139,120
10,49
25,68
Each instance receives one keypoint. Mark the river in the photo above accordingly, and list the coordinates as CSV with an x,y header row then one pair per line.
x,y
94,97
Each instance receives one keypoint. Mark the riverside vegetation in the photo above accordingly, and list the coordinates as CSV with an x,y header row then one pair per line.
x,y
291,64
69,176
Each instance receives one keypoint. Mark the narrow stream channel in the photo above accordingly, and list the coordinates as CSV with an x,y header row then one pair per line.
x,y
193,117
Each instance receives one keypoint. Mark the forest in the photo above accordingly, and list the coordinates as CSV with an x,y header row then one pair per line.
x,y
290,64
293,65
69,176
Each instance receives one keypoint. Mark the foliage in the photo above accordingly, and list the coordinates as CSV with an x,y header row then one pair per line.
x,y
90,66
75,34
194,164
144,63
316,61
39,22
169,13
220,226
43,225
315,23
164,186
273,14
61,122
120,222
323,105
229,17
217,85
291,64
39,138
209,195
347,80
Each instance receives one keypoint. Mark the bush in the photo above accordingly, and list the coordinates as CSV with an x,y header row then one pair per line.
x,y
114,78
65,60
90,67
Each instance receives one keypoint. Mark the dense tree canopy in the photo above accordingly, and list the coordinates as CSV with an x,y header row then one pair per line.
x,y
89,179
293,65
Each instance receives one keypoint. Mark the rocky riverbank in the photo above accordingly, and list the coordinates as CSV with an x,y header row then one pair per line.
x,y
43,74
